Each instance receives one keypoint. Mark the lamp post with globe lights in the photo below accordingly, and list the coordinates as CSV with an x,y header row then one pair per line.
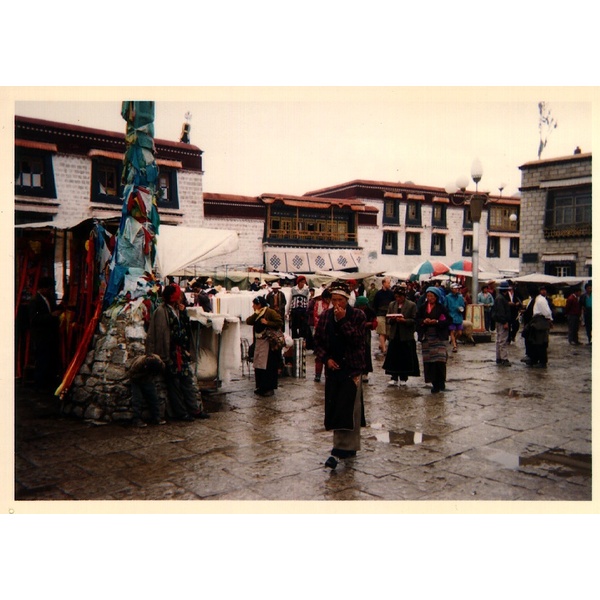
x,y
476,204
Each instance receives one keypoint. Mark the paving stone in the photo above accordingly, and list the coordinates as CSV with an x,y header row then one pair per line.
x,y
477,441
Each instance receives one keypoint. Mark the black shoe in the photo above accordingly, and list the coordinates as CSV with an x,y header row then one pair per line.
x,y
184,418
201,415
317,378
266,393
331,462
157,422
539,366
139,423
435,390
504,363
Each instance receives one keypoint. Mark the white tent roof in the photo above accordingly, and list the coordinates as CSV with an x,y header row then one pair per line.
x,y
181,247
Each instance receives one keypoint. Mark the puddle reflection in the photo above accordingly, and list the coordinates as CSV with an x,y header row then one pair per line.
x,y
405,438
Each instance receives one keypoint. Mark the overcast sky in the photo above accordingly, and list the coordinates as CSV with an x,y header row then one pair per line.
x,y
295,140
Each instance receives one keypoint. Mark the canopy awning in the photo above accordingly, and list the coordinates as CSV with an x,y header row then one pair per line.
x,y
311,261
179,247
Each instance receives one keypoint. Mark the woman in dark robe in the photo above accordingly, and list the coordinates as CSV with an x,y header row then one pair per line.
x,y
266,361
401,361
432,325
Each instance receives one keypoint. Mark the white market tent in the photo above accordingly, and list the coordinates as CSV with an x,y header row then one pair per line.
x,y
549,279
180,248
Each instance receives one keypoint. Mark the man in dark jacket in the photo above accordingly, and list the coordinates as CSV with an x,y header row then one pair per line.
x,y
44,326
339,339
501,315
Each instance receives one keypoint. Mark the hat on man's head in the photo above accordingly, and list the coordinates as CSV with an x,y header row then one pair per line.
x,y
340,288
504,285
456,286
275,285
301,278
400,289
362,301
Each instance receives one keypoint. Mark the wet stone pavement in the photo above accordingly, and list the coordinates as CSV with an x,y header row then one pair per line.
x,y
497,433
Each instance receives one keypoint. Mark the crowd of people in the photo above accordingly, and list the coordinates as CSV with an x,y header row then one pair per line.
x,y
337,322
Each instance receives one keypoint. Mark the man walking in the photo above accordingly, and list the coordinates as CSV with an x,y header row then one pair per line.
x,y
381,303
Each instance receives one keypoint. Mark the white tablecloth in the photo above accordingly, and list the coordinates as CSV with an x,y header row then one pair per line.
x,y
220,335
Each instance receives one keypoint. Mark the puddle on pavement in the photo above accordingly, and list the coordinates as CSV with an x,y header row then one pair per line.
x,y
580,464
404,438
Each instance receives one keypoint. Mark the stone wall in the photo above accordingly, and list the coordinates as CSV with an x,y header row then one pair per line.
x,y
533,213
101,390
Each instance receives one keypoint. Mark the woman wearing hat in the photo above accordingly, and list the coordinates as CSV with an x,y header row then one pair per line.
x,y
401,361
339,339
266,361
456,307
432,324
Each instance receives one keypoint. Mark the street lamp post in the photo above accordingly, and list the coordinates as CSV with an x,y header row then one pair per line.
x,y
476,203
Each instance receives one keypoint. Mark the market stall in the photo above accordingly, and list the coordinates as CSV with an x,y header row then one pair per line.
x,y
217,340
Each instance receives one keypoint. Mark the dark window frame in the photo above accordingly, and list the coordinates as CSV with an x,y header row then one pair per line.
x,y
442,221
568,212
48,187
416,221
514,247
442,251
490,253
394,245
394,218
551,268
465,250
417,238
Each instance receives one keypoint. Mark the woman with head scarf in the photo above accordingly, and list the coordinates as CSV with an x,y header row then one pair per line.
x,y
401,361
340,345
432,325
266,361
169,336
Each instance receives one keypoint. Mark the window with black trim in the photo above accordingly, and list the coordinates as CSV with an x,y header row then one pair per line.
x,y
391,214
467,220
569,212
499,218
493,247
438,244
438,215
168,196
106,180
560,269
413,213
514,247
412,243
390,242
34,174
467,249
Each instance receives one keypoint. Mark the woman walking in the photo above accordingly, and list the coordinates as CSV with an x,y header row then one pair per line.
x,y
401,361
266,361
432,323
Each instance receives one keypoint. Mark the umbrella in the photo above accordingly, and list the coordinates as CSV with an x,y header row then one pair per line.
x,y
462,265
428,269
